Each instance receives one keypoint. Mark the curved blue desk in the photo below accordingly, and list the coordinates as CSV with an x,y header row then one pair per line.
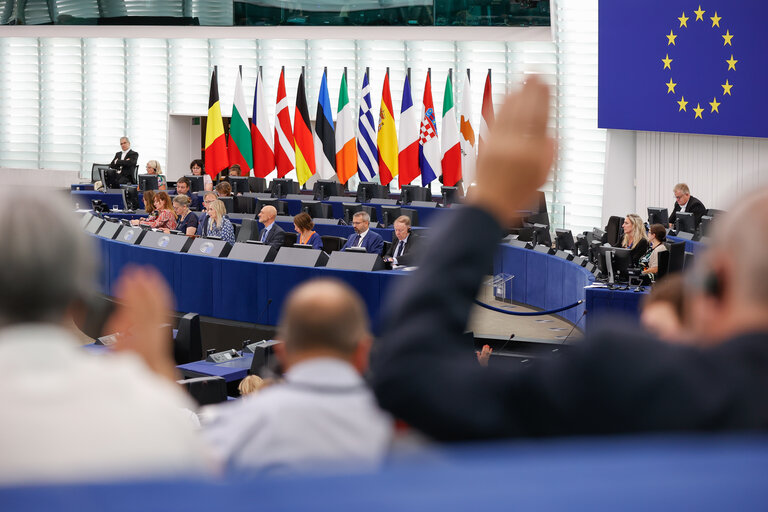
x,y
545,281
234,290
690,245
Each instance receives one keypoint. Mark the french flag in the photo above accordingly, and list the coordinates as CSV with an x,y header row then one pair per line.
x,y
408,138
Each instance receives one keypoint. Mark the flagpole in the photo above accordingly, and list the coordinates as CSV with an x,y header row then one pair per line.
x,y
240,69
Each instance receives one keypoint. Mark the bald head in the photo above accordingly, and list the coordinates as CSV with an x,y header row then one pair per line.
x,y
323,315
267,214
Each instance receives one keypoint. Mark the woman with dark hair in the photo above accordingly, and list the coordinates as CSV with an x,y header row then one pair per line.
x,y
197,167
649,262
302,224
166,217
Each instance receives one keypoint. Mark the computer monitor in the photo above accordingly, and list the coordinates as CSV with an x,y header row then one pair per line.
x,y
658,215
280,187
314,209
410,193
599,234
131,198
367,191
450,195
389,214
148,182
705,227
239,184
564,240
582,244
96,172
541,235
108,179
197,183
371,211
604,260
686,222
262,202
349,211
622,262
323,189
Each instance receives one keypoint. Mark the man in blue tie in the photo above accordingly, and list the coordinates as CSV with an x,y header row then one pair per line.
x,y
272,234
364,237
404,244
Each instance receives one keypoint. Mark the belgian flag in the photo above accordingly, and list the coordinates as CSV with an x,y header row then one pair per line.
x,y
302,135
216,159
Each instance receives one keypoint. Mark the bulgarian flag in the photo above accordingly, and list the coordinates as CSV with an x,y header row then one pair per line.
x,y
239,148
302,135
346,145
261,134
215,145
451,147
387,137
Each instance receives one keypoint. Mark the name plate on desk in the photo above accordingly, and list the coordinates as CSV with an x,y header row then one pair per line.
x,y
210,247
345,260
423,204
331,222
301,257
110,230
223,357
252,252
339,199
378,200
521,244
543,248
684,235
564,255
173,243
131,235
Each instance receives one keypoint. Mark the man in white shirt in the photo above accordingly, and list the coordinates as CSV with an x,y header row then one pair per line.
x,y
70,414
404,247
123,164
322,417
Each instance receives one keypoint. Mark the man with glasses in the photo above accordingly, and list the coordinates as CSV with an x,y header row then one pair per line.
x,y
364,237
685,202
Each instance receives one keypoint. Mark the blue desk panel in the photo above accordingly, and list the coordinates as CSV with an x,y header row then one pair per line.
x,y
690,245
544,281
602,302
235,290
705,472
235,369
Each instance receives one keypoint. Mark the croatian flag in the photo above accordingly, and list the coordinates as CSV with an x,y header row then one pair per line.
x,y
429,145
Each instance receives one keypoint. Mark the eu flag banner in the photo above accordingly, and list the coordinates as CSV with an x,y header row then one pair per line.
x,y
679,66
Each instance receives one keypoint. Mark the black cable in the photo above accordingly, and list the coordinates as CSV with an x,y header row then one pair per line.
x,y
574,326
528,313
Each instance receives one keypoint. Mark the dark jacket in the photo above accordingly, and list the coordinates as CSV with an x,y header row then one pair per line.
x,y
694,206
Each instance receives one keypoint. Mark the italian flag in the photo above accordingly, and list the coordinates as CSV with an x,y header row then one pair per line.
x,y
240,148
450,145
346,154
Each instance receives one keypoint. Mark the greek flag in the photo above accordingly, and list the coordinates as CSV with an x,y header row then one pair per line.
x,y
367,154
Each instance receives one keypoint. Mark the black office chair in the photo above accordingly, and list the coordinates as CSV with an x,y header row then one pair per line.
x,y
229,203
188,345
290,239
257,184
613,229
332,243
249,230
387,245
236,228
206,390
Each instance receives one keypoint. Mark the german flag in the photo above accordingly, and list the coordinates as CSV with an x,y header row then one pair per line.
x,y
302,135
215,144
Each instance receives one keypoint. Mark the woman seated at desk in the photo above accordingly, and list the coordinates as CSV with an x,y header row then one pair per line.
x,y
657,235
149,202
219,225
165,218
302,224
197,167
153,169
635,238
187,220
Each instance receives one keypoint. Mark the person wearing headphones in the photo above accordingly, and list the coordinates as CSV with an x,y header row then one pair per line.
x,y
404,245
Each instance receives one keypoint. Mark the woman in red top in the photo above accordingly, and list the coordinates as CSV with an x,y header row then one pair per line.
x,y
166,216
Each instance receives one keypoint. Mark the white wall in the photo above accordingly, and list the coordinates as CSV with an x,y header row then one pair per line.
x,y
42,178
642,168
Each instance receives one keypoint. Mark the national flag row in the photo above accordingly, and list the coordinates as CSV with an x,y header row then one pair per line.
x,y
341,149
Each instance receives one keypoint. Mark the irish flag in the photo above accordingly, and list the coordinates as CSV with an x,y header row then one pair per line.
x,y
215,145
451,147
239,148
346,145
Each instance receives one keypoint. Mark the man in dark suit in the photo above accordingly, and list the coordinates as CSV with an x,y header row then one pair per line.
x,y
124,164
405,245
272,234
364,237
685,202
424,372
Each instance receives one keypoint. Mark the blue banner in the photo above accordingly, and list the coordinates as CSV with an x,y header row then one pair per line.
x,y
681,66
